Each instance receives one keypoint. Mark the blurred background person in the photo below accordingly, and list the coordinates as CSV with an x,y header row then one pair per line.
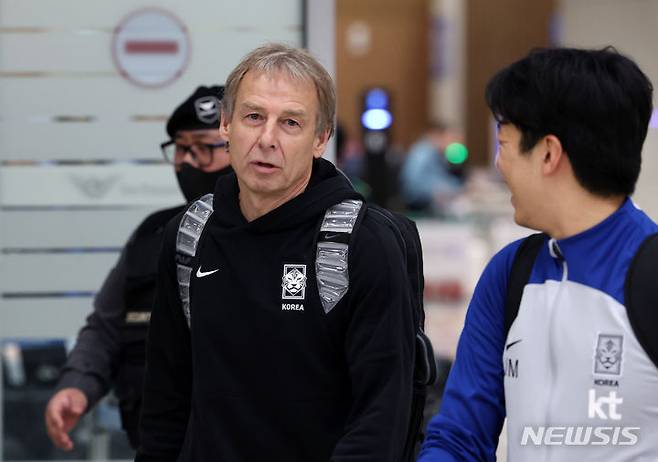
x,y
110,349
350,160
426,181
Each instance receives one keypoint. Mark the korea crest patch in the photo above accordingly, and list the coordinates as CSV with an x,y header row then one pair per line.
x,y
608,354
293,283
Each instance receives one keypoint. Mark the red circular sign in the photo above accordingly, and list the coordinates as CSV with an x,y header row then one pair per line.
x,y
151,47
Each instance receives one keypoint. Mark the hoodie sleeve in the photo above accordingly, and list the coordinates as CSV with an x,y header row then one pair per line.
x,y
167,386
473,404
379,346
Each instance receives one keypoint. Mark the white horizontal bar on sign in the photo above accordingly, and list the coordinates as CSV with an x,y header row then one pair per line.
x,y
27,100
43,317
56,51
56,56
83,272
24,229
85,141
100,15
113,184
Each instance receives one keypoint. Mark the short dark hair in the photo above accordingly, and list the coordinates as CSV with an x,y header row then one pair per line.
x,y
598,103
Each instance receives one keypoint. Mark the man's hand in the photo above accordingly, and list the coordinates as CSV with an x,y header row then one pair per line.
x,y
62,414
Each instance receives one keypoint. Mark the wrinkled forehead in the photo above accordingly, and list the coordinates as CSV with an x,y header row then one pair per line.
x,y
279,73
278,90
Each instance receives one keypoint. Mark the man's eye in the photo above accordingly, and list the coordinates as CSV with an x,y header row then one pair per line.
x,y
291,123
253,116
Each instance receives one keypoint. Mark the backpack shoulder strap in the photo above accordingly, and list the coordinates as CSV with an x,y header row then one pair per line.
x,y
331,256
519,275
641,296
187,240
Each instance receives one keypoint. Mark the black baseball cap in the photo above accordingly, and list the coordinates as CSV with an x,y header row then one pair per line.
x,y
200,111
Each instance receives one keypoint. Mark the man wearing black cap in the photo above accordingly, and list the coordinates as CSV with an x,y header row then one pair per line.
x,y
109,352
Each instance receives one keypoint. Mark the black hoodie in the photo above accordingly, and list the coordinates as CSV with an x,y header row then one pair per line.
x,y
263,377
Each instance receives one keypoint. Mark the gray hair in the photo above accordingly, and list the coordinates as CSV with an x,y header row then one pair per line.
x,y
299,65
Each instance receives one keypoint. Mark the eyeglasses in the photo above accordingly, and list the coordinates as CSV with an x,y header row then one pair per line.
x,y
202,153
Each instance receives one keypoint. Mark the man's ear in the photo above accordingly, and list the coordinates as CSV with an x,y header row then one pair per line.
x,y
224,128
553,155
320,143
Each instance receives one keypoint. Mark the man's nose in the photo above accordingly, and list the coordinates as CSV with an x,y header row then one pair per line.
x,y
268,136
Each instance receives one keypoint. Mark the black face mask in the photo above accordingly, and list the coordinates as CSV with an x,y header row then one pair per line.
x,y
195,183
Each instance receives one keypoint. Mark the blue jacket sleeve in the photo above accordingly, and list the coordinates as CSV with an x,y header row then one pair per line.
x,y
473,404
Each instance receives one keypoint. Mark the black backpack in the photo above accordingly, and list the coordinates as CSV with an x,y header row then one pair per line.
x,y
405,230
640,288
425,372
334,237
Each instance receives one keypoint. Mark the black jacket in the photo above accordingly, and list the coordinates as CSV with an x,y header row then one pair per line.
x,y
257,380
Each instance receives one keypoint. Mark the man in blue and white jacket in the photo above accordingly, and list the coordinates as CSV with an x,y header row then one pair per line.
x,y
571,375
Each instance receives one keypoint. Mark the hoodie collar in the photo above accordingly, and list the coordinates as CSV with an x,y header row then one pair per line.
x,y
326,187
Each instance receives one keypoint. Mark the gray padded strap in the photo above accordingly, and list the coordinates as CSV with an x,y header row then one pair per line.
x,y
341,217
191,226
187,240
331,258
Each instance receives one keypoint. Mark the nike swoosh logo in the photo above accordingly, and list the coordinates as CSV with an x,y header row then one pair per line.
x,y
201,274
331,235
510,345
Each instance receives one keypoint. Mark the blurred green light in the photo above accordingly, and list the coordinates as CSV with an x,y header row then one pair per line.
x,y
456,153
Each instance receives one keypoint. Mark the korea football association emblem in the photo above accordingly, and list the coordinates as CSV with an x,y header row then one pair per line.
x,y
608,354
293,283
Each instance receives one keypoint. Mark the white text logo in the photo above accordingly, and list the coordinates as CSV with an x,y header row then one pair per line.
x,y
580,436
596,406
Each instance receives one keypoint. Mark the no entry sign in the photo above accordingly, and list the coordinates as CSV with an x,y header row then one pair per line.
x,y
151,47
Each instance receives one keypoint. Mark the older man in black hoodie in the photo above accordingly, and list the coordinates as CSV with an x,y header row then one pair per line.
x,y
266,370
